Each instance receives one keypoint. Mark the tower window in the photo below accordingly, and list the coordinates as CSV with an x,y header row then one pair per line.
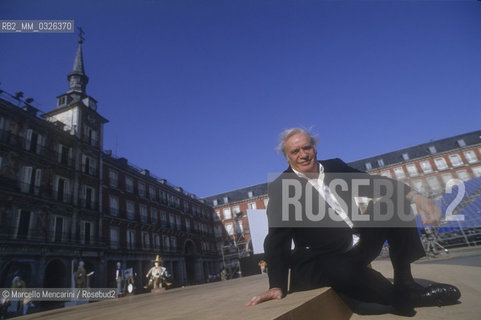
x,y
62,100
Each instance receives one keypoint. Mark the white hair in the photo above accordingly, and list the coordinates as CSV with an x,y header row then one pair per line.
x,y
286,134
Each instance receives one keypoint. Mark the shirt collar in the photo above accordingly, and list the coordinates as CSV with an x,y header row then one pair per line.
x,y
302,175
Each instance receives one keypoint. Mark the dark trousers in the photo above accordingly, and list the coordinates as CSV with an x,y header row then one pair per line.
x,y
348,273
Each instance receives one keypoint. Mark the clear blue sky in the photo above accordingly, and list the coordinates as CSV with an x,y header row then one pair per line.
x,y
198,91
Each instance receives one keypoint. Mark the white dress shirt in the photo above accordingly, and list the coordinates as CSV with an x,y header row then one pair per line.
x,y
329,197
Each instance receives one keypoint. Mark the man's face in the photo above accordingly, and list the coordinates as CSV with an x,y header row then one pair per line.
x,y
301,154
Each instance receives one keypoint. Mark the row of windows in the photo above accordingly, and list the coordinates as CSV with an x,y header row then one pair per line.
x,y
31,182
149,241
229,227
59,231
141,189
426,167
174,221
434,184
169,199
89,165
234,211
30,225
455,159
35,141
215,202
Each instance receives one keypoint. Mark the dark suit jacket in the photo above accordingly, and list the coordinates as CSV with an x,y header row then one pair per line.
x,y
324,238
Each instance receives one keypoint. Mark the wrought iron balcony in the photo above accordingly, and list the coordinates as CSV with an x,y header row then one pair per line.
x,y
22,143
43,236
91,205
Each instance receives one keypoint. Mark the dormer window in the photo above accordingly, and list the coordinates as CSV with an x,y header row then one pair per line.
x,y
250,194
226,199
380,162
368,166
405,156
461,143
62,101
432,149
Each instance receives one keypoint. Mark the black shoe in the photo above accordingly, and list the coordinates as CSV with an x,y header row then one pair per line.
x,y
437,294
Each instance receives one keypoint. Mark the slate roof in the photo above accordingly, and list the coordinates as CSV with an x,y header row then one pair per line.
x,y
389,159
238,195
419,151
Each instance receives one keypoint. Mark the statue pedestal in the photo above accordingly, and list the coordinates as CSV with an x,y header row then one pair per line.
x,y
157,290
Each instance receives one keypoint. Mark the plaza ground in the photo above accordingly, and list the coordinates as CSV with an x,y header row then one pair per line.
x,y
226,299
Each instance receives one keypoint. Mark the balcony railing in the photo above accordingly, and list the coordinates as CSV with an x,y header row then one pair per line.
x,y
129,246
65,197
45,193
91,141
114,212
91,205
123,214
66,161
91,171
43,236
21,142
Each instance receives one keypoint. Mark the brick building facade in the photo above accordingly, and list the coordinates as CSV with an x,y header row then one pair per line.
x,y
63,200
234,240
426,167
144,216
50,190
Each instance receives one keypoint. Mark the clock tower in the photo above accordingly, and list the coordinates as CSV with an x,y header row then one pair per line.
x,y
77,111
76,114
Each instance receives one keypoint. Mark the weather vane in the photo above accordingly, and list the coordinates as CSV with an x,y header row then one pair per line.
x,y
80,34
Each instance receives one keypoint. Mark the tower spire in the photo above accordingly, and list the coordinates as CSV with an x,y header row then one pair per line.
x,y
77,78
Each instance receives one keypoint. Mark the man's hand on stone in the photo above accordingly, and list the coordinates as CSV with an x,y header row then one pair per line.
x,y
273,293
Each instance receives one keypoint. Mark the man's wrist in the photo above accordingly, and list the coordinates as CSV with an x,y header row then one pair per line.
x,y
274,289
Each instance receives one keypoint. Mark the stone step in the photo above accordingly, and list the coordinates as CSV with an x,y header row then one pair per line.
x,y
226,299
219,300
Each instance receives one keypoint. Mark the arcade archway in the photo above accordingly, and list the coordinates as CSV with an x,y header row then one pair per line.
x,y
56,275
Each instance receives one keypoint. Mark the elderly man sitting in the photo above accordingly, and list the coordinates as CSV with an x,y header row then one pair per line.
x,y
312,204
